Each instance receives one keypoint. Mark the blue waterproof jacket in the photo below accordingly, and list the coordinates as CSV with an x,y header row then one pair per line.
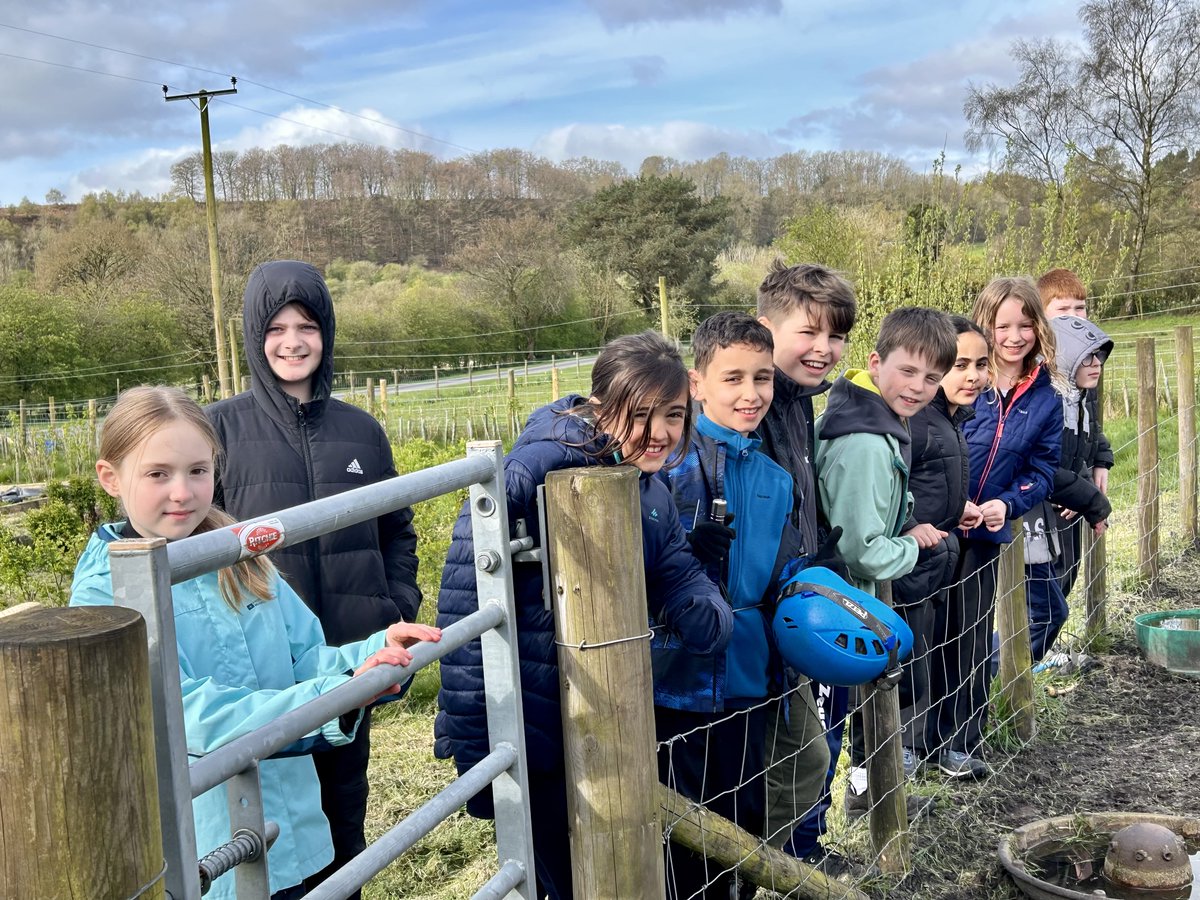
x,y
682,600
1014,451
238,671
721,463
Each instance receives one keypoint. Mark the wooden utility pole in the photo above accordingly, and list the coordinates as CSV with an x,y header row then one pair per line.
x,y
210,202
80,813
1094,561
599,596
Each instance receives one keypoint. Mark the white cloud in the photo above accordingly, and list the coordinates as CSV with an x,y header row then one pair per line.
x,y
618,13
306,125
629,145
147,172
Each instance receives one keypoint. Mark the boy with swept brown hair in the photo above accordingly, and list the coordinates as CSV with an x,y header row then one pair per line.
x,y
809,310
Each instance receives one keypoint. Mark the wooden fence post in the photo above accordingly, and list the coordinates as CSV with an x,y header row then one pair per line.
x,y
93,431
1094,561
554,393
80,813
599,596
1012,624
512,387
235,365
383,400
1147,483
370,386
206,388
1185,366
885,772
470,377
51,412
437,384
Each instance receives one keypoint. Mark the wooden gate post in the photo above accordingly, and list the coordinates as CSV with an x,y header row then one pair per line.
x,y
80,812
885,771
599,595
1185,367
1012,624
1147,482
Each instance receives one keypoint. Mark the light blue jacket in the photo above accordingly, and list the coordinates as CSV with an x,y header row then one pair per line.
x,y
238,672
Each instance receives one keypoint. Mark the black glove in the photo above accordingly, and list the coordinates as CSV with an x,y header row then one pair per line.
x,y
711,540
827,555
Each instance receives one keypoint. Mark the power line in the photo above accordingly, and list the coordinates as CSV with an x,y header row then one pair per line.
x,y
267,87
59,65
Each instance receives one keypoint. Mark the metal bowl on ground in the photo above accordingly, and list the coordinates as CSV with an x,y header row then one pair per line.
x,y
1171,638
1090,831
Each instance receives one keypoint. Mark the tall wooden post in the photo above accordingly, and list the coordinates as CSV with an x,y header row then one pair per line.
x,y
554,392
1095,565
206,388
663,310
885,772
1012,624
437,384
370,385
77,772
512,387
470,377
51,412
599,595
1185,369
1147,484
383,400
235,364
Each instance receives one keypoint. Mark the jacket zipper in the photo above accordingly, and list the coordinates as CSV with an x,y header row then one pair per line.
x,y
1004,414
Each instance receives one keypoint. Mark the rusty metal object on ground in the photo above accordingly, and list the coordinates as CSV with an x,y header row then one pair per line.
x,y
1149,857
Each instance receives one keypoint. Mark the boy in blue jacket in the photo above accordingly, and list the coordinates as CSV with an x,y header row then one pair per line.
x,y
864,456
710,712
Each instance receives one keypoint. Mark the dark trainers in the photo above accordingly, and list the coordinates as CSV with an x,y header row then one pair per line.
x,y
916,805
831,863
962,765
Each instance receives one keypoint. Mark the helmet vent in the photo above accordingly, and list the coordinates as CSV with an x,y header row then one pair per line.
x,y
860,646
842,641
879,651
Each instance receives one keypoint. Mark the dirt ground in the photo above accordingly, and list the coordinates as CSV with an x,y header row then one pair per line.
x,y
1126,738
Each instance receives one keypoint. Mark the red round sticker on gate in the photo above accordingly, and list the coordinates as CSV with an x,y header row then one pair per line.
x,y
259,537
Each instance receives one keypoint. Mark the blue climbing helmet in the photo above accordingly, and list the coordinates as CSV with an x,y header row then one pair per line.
x,y
835,633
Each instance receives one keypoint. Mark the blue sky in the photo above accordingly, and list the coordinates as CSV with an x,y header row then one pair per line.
x,y
612,79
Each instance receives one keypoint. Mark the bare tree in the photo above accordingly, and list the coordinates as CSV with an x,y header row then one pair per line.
x,y
1037,119
1141,79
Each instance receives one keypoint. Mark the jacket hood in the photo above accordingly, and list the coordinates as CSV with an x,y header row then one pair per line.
x,y
270,287
1075,339
856,407
557,423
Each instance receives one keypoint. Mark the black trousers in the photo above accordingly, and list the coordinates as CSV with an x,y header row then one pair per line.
x,y
343,775
959,668
913,686
721,766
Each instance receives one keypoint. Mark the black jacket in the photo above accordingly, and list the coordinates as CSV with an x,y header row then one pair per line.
x,y
787,438
279,453
939,481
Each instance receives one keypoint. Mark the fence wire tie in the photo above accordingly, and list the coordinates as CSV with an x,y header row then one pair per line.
x,y
141,892
584,645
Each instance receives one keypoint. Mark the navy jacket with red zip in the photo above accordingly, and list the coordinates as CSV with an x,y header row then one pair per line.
x,y
1014,451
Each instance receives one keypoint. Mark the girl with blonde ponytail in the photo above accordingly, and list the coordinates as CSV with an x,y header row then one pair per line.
x,y
249,648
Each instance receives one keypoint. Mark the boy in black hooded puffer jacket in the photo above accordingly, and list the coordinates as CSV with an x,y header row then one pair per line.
x,y
1053,526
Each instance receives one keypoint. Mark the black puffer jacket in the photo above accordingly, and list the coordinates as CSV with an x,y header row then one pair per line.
x,y
939,481
280,453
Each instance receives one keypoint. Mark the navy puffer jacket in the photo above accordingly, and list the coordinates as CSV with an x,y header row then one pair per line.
x,y
681,597
1014,451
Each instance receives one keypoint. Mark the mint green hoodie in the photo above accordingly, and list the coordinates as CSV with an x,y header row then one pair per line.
x,y
862,480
